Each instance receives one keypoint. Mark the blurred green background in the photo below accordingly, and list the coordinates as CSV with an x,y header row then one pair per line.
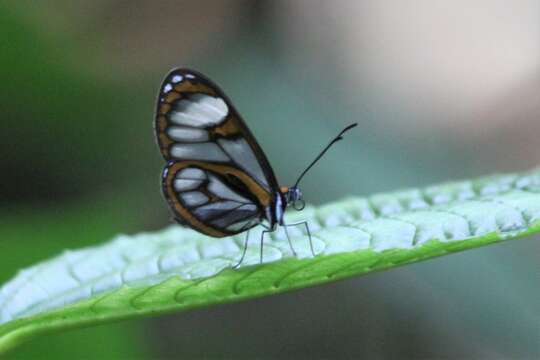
x,y
441,90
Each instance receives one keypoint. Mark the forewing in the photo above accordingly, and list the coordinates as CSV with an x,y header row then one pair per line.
x,y
215,199
196,121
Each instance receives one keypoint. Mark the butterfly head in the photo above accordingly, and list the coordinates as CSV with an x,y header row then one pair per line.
x,y
293,197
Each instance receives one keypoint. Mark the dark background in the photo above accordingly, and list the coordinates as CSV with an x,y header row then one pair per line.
x,y
441,90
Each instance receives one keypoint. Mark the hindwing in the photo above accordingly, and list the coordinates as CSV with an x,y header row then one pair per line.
x,y
215,199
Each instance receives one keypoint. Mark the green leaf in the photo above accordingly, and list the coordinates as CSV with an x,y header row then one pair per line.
x,y
177,269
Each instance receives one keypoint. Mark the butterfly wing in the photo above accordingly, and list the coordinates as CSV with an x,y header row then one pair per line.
x,y
218,180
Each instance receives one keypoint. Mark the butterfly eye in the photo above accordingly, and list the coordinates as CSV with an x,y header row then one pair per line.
x,y
294,198
299,204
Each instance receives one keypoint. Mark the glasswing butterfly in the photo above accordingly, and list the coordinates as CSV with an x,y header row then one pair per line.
x,y
217,179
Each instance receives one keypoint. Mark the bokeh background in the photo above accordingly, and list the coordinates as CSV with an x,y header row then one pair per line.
x,y
441,90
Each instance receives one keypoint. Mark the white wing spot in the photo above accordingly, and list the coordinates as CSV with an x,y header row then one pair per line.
x,y
176,79
186,184
194,198
186,134
191,173
199,110
199,151
167,88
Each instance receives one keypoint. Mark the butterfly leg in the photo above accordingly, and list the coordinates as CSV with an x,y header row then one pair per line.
x,y
305,223
289,240
243,252
262,242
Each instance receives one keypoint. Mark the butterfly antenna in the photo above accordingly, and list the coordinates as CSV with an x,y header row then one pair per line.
x,y
334,140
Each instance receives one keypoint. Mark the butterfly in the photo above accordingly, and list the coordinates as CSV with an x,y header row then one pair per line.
x,y
217,179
